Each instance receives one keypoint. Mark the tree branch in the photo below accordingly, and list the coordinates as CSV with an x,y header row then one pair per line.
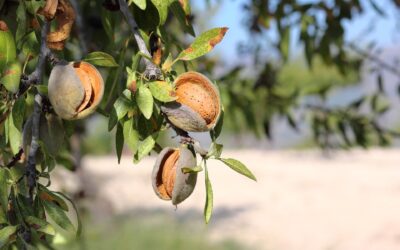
x,y
374,58
34,78
31,164
152,72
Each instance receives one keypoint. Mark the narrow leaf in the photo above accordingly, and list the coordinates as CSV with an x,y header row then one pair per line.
x,y
14,135
195,169
145,148
79,230
100,58
5,234
3,189
139,3
44,226
131,135
203,44
215,150
209,198
162,8
238,167
162,91
119,141
145,101
58,216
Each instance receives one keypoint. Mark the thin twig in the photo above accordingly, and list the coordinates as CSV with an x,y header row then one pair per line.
x,y
151,72
374,58
15,158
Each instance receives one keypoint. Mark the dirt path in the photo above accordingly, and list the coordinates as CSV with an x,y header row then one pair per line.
x,y
301,200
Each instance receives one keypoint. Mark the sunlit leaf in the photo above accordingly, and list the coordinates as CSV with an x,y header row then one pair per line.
x,y
203,44
100,58
131,135
140,3
8,50
208,207
43,225
162,7
5,234
162,91
145,101
238,167
145,148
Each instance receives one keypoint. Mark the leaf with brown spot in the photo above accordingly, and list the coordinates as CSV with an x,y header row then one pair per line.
x,y
203,44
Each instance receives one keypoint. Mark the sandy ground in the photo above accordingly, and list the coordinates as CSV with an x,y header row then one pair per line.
x,y
302,200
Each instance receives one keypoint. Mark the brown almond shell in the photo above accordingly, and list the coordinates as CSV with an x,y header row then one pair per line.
x,y
68,93
198,106
183,184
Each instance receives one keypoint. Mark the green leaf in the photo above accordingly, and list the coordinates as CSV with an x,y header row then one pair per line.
x,y
108,23
14,135
5,234
42,89
8,51
119,141
145,101
44,226
121,107
21,20
11,76
203,44
131,135
49,196
135,61
183,17
215,150
215,133
238,167
195,169
284,43
18,112
162,7
145,148
30,44
208,208
33,6
166,66
79,230
52,133
162,91
148,19
4,188
100,58
58,216
140,3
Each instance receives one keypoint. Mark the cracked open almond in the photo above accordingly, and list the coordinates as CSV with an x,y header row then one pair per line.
x,y
169,182
198,104
75,89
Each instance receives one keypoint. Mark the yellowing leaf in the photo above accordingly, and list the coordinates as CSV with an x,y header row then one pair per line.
x,y
203,44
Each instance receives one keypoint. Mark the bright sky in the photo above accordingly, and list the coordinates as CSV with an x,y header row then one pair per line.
x,y
230,14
